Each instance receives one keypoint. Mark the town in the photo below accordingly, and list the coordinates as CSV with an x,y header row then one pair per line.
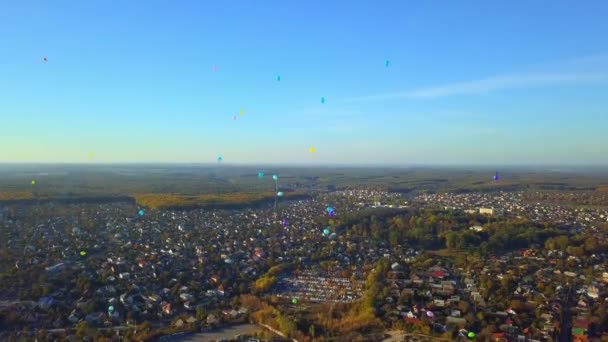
x,y
119,268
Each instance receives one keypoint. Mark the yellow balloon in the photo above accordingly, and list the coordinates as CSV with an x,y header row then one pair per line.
x,y
312,149
90,155
242,112
33,182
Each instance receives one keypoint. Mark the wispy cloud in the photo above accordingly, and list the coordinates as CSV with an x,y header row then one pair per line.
x,y
487,85
593,60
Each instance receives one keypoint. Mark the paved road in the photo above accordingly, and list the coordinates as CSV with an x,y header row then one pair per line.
x,y
223,333
565,333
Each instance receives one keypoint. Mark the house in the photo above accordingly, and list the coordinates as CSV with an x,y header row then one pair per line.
x,y
186,297
166,308
46,303
439,303
460,322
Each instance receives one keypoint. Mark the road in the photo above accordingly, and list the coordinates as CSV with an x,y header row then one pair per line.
x,y
565,333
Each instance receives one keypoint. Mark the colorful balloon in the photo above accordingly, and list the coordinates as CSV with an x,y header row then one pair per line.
x,y
111,308
496,176
332,214
285,223
234,117
280,194
279,78
386,64
242,112
311,149
329,209
322,100
275,177
294,301
83,253
141,212
260,174
326,231
219,159
33,182
44,59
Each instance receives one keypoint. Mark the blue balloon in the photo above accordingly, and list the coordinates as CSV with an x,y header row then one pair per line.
x,y
141,213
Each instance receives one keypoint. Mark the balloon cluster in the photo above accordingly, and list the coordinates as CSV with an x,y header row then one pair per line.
x,y
332,214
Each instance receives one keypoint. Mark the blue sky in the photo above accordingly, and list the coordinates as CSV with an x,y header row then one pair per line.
x,y
469,82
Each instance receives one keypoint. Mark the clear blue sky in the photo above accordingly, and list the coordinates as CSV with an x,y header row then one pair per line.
x,y
469,82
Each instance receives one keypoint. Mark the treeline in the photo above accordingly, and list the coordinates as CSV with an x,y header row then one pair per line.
x,y
267,281
234,199
433,229
13,196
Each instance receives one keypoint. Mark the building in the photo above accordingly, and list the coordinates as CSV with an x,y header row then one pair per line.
x,y
491,211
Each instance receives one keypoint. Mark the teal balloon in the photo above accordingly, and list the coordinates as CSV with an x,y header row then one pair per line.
x,y
260,174
280,194
275,177
325,231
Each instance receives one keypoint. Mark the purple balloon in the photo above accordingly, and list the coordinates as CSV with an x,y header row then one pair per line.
x,y
284,222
